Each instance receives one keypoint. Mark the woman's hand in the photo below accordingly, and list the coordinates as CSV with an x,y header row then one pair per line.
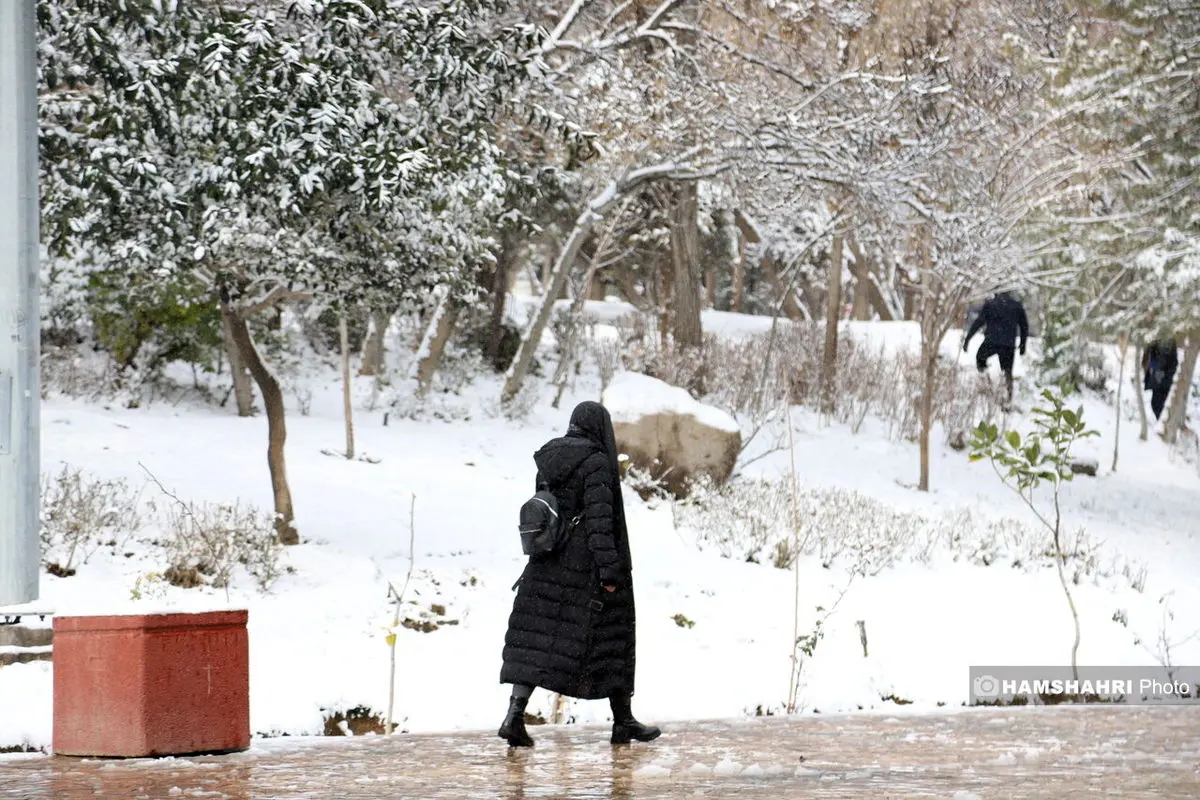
x,y
608,587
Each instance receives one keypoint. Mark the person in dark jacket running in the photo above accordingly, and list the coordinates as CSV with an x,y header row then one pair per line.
x,y
1004,320
1159,363
572,625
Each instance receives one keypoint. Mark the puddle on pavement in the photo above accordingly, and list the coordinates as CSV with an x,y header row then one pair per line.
x,y
1132,752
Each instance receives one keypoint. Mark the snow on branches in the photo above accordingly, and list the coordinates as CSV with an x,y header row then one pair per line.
x,y
305,145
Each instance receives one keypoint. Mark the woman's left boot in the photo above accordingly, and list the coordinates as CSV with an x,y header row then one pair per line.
x,y
625,728
513,728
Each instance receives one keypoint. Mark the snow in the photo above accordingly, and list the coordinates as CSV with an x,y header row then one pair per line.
x,y
630,397
318,635
611,312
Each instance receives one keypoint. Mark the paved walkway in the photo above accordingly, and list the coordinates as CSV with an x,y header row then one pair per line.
x,y
980,754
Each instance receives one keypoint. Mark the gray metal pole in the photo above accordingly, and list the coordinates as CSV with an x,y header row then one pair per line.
x,y
19,321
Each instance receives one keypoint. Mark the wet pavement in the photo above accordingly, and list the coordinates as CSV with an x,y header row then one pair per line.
x,y
977,754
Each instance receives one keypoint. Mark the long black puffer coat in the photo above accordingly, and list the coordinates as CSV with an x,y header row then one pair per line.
x,y
566,633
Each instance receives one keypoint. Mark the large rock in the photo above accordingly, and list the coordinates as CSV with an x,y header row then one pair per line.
x,y
664,430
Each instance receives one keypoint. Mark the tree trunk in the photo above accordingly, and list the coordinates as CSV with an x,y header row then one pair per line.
x,y
685,254
885,312
928,381
739,279
504,261
547,277
664,298
347,387
931,311
791,308
631,291
570,348
747,235
1124,352
272,394
1183,387
243,386
1140,396
433,343
862,282
833,305
374,346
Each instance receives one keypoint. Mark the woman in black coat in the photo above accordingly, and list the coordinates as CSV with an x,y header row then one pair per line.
x,y
572,625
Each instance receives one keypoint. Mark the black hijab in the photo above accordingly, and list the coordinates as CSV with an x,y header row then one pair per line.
x,y
592,421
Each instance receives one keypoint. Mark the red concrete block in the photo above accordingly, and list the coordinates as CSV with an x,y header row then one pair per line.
x,y
151,684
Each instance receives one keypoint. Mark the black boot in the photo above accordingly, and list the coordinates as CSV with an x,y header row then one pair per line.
x,y
513,727
627,729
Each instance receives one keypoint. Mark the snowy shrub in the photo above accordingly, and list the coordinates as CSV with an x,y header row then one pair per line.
x,y
565,326
80,513
357,721
742,519
962,402
303,396
869,383
144,325
208,541
607,354
1094,370
474,332
1188,445
672,365
76,372
107,335
649,487
148,585
521,406
440,406
755,521
459,368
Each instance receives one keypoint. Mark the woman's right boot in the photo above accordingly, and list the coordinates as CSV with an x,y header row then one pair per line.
x,y
513,727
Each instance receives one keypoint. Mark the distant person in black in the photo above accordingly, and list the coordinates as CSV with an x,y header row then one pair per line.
x,y
1003,319
1159,363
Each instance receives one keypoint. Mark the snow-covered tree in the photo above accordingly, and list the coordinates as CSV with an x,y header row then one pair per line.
x,y
276,152
1130,234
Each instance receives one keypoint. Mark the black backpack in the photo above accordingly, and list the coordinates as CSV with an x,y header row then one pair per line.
x,y
543,526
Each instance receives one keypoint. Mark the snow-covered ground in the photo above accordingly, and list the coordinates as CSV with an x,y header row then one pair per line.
x,y
318,636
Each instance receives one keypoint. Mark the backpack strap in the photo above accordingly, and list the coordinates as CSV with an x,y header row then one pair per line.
x,y
549,507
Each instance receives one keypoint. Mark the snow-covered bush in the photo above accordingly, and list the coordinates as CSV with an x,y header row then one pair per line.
x,y
648,486
80,514
521,406
962,401
206,542
460,367
607,354
739,378
75,372
756,521
194,543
